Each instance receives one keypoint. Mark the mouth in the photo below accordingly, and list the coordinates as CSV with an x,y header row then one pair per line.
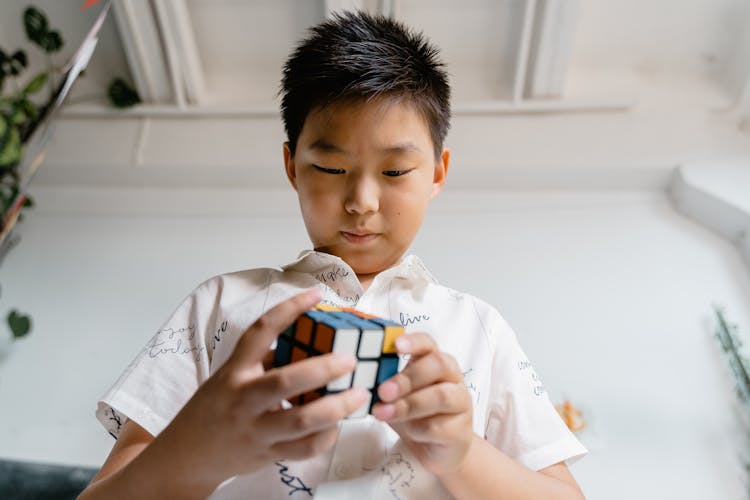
x,y
359,237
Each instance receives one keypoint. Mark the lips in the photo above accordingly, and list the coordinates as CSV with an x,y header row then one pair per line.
x,y
359,236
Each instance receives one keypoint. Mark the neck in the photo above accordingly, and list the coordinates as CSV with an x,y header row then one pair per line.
x,y
366,280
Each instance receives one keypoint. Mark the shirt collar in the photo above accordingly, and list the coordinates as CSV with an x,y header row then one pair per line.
x,y
313,262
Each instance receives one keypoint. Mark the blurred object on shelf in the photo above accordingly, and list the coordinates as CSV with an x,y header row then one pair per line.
x,y
572,416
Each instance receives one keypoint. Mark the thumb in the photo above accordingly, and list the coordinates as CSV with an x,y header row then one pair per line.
x,y
254,343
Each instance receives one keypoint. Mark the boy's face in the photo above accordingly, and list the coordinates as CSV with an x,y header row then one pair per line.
x,y
365,173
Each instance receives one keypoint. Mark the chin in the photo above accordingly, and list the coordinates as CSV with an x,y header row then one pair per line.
x,y
363,261
364,264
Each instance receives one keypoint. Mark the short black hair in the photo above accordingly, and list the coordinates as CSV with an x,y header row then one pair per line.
x,y
356,55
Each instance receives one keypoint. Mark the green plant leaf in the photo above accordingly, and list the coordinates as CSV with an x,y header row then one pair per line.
x,y
52,42
122,95
6,200
4,131
10,153
29,107
36,25
18,117
19,59
6,126
14,65
20,324
36,84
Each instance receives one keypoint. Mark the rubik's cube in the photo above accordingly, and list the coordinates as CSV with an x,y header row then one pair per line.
x,y
325,329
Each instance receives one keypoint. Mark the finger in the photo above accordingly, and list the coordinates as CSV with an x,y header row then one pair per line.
x,y
308,446
437,429
443,398
310,418
425,371
268,360
255,341
296,378
416,344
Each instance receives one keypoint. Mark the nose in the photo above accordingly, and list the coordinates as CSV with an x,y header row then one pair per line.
x,y
362,196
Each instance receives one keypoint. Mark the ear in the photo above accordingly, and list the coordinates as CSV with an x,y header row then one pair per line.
x,y
441,172
289,166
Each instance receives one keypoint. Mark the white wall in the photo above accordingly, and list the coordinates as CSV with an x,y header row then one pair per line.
x,y
609,292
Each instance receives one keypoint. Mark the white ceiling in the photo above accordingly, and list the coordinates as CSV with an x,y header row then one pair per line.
x,y
239,46
661,83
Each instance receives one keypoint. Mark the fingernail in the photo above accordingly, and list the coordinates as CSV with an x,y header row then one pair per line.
x,y
313,294
402,343
383,411
388,391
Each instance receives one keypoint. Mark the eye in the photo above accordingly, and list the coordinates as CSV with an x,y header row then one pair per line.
x,y
396,173
330,170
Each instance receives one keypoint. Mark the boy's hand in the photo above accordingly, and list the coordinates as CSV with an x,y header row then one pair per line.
x,y
428,405
234,425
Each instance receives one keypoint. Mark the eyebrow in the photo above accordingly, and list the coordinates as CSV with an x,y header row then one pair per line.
x,y
326,147
399,148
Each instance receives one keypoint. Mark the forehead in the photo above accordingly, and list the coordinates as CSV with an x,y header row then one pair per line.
x,y
378,123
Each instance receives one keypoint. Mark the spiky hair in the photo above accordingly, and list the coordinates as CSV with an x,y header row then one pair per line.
x,y
357,56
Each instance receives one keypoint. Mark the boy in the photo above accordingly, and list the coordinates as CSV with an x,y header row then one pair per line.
x,y
365,104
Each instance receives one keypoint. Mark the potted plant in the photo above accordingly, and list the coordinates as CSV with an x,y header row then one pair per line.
x,y
728,335
18,115
21,109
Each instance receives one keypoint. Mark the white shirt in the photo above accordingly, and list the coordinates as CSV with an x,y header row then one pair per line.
x,y
511,408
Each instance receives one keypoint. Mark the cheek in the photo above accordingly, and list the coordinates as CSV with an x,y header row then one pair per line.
x,y
319,211
408,210
315,197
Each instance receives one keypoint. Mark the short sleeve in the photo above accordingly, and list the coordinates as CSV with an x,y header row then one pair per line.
x,y
522,421
166,372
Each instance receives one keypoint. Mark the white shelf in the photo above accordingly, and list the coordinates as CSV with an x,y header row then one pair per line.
x,y
484,107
